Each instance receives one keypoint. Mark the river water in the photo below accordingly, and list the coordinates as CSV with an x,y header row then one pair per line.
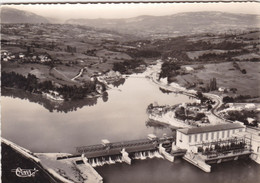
x,y
121,117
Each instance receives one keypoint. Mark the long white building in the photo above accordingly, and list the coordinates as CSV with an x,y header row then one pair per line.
x,y
187,138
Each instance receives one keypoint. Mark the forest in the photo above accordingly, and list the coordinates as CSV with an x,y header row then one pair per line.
x,y
32,85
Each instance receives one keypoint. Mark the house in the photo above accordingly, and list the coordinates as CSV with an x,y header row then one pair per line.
x,y
44,58
112,76
221,89
5,56
191,138
188,69
4,52
21,55
250,106
205,119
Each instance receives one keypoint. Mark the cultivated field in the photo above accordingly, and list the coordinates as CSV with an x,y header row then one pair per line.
x,y
227,77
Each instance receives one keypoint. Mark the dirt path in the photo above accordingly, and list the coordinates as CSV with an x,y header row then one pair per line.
x,y
60,73
78,75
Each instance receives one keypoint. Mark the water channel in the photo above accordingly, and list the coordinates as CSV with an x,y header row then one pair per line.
x,y
121,117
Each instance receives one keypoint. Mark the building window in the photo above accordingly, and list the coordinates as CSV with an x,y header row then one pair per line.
x,y
240,130
189,138
228,133
217,135
212,135
201,137
233,131
223,134
195,137
207,136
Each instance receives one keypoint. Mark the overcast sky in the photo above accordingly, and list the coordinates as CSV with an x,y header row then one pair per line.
x,y
68,11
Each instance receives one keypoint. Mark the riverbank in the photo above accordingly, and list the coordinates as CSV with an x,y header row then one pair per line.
x,y
43,167
19,165
214,116
51,105
153,74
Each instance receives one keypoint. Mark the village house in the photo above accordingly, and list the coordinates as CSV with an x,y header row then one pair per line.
x,y
21,55
6,56
44,58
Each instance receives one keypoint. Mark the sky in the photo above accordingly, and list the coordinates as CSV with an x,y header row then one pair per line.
x,y
92,11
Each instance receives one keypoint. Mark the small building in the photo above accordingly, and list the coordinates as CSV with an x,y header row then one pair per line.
x,y
188,69
152,137
250,106
21,55
188,138
221,89
4,52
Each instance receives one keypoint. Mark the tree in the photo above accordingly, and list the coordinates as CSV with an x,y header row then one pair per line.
x,y
213,84
199,95
209,107
169,69
199,116
243,71
228,99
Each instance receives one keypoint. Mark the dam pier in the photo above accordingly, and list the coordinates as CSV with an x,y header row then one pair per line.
x,y
112,152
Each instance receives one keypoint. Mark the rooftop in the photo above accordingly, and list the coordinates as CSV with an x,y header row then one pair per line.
x,y
212,128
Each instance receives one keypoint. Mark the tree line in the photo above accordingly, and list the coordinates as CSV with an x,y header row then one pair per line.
x,y
32,85
125,66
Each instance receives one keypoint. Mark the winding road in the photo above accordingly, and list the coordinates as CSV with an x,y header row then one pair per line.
x,y
218,101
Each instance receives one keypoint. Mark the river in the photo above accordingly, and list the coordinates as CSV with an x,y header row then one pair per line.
x,y
121,117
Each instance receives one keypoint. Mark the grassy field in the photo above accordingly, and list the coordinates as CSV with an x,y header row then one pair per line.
x,y
227,77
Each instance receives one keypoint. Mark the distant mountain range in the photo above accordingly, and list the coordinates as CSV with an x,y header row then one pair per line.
x,y
11,15
152,26
177,24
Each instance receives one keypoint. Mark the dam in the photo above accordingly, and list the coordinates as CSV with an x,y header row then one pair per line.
x,y
201,146
112,152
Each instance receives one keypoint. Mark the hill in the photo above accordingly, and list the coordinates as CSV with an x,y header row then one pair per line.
x,y
175,25
11,15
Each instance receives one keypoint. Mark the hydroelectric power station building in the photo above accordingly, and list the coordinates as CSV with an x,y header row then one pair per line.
x,y
189,138
213,144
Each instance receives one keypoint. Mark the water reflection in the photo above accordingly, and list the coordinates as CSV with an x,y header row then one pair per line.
x,y
163,171
51,106
119,82
105,97
59,106
165,91
120,118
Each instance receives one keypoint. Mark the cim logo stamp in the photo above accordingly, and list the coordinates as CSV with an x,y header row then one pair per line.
x,y
25,172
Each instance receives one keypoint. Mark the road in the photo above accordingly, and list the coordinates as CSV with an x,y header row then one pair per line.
x,y
216,98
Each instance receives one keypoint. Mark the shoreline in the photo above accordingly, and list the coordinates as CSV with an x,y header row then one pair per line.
x,y
213,114
176,88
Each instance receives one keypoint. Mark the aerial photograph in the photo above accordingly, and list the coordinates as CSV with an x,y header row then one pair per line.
x,y
130,92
